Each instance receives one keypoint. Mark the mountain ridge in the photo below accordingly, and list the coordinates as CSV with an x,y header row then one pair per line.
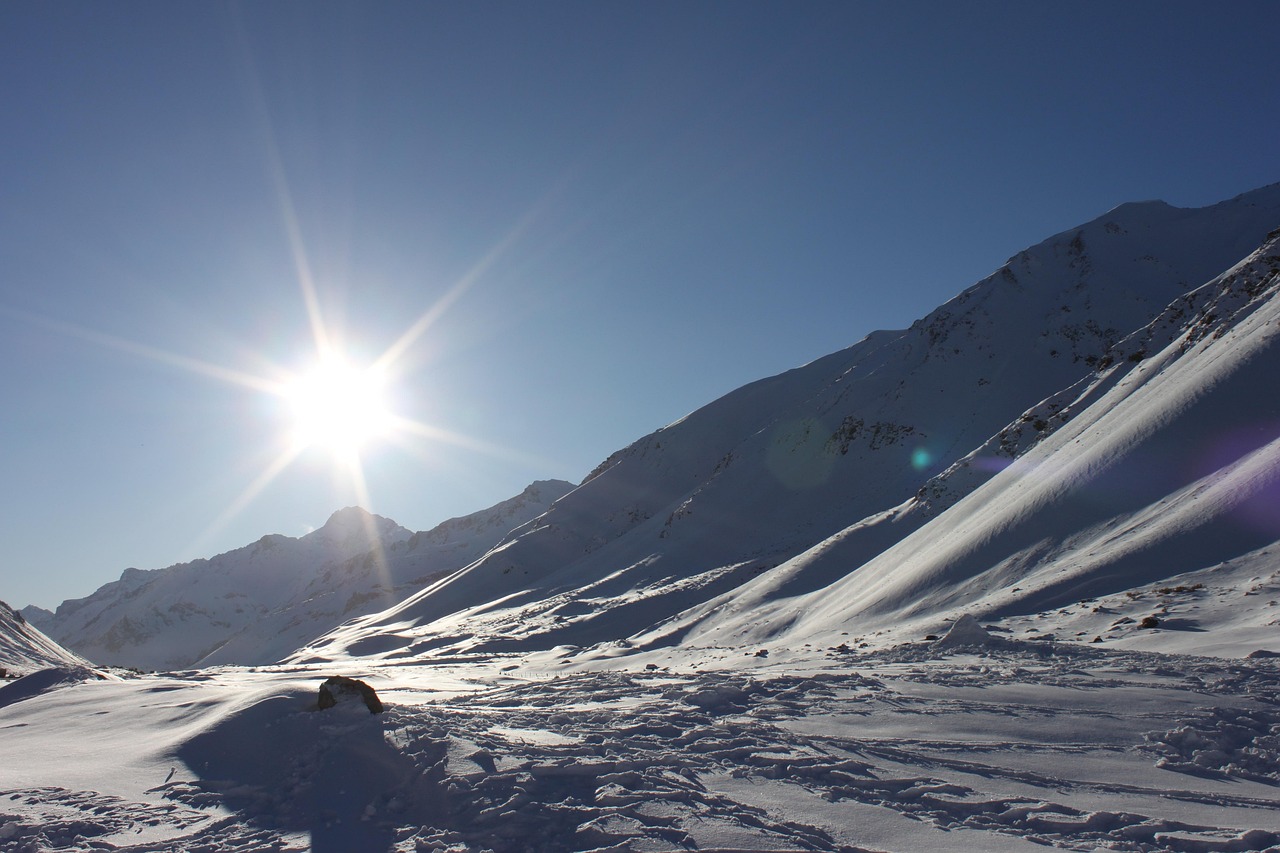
x,y
845,485
24,648
765,472
258,602
931,574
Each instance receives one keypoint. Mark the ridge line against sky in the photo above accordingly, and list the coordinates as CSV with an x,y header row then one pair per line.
x,y
571,223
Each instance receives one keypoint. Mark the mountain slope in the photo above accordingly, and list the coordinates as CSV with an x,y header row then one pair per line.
x,y
168,618
374,580
1166,463
256,604
681,519
24,648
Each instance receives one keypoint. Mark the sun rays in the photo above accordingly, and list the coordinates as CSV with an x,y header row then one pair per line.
x,y
310,382
338,406
329,406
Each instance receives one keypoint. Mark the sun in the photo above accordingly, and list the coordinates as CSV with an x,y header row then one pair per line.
x,y
338,407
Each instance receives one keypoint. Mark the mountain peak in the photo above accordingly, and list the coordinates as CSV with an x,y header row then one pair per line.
x,y
354,522
347,517
537,487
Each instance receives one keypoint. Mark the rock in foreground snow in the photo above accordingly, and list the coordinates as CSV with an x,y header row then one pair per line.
x,y
339,689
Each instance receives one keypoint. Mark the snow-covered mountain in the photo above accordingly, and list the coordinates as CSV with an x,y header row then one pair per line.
x,y
1164,463
255,604
833,497
963,463
377,579
24,648
729,637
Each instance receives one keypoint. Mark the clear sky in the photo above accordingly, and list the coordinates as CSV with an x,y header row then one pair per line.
x,y
559,225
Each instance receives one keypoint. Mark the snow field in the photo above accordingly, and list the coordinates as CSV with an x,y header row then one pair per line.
x,y
1020,746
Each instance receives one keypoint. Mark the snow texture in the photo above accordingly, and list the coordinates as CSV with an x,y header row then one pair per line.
x,y
1035,745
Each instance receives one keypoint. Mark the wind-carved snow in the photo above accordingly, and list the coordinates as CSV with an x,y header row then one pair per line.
x,y
1024,745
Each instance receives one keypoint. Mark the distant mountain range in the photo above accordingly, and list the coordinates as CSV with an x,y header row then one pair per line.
x,y
258,603
1097,414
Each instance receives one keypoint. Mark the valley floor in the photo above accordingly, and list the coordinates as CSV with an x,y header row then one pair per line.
x,y
1028,746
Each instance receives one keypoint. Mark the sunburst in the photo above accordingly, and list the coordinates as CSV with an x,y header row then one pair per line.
x,y
333,403
339,407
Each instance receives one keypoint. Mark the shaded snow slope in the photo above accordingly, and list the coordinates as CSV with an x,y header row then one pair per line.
x,y
25,648
258,603
780,490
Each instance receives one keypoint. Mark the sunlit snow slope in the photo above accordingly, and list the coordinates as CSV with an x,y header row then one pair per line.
x,y
837,497
1165,462
24,648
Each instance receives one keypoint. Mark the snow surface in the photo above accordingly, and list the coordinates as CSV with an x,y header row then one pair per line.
x,y
1032,745
1007,580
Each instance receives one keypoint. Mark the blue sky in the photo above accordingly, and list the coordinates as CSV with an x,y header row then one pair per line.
x,y
611,213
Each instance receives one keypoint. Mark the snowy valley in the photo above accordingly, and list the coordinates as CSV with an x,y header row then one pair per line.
x,y
1004,580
